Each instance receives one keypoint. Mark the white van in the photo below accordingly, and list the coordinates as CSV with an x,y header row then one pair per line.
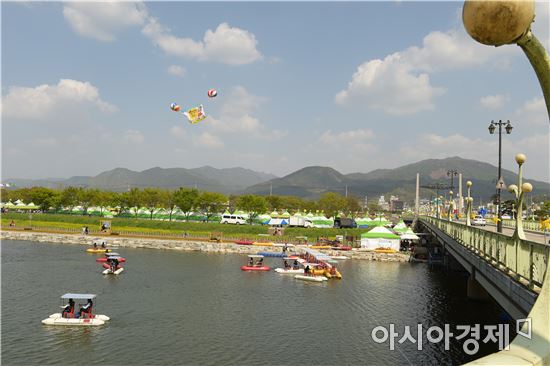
x,y
233,219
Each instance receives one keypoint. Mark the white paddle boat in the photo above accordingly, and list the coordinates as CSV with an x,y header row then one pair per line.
x,y
85,317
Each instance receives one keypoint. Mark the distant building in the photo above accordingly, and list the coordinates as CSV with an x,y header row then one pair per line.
x,y
395,204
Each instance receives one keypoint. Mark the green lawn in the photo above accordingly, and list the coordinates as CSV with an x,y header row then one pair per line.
x,y
152,227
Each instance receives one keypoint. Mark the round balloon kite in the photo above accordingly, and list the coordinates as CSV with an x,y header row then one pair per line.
x,y
212,93
175,107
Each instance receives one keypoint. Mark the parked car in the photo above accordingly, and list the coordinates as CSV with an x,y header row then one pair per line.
x,y
344,223
233,219
479,220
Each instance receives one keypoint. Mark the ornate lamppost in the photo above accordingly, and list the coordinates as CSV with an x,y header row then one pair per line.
x,y
519,191
469,201
500,182
500,22
450,212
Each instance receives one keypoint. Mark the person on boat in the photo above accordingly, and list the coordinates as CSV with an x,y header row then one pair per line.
x,y
113,264
86,309
95,245
103,245
68,309
250,262
295,265
285,263
307,270
260,262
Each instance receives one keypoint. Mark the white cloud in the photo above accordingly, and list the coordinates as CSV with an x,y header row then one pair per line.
x,y
400,83
533,112
134,136
43,100
209,141
356,140
176,70
494,101
102,20
228,45
178,132
236,112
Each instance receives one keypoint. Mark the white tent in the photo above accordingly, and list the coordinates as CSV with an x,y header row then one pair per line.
x,y
278,222
380,237
409,235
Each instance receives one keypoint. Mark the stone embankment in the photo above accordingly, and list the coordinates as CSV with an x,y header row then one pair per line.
x,y
182,245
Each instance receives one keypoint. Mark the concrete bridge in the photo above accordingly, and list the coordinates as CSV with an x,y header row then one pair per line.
x,y
514,272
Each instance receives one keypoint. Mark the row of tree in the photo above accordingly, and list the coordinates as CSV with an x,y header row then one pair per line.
x,y
186,199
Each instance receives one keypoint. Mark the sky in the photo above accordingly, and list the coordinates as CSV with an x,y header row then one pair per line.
x,y
357,86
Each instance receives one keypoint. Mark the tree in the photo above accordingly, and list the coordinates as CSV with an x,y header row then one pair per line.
x,y
186,199
85,197
331,203
167,201
252,204
103,199
352,205
274,202
151,199
69,198
135,200
43,197
211,203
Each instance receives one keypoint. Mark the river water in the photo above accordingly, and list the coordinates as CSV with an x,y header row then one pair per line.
x,y
171,307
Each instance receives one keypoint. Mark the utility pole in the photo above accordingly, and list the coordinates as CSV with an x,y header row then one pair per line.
x,y
270,190
346,191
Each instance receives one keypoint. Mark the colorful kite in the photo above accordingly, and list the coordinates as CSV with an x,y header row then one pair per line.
x,y
175,107
195,115
212,93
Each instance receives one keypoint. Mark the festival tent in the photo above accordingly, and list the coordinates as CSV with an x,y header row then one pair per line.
x,y
263,219
380,221
363,222
380,237
400,227
278,222
409,235
321,221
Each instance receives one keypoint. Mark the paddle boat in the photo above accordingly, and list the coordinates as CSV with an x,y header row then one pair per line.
x,y
99,246
293,268
310,276
262,244
341,247
105,259
86,317
244,242
255,266
112,265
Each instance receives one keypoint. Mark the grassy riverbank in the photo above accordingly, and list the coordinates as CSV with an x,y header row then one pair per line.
x,y
71,223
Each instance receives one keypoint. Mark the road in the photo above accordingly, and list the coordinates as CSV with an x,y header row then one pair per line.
x,y
529,235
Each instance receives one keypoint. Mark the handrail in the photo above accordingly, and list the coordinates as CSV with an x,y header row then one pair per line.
x,y
524,260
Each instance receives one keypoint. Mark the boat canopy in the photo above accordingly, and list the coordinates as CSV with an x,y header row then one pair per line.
x,y
255,256
115,257
318,255
310,264
112,254
78,296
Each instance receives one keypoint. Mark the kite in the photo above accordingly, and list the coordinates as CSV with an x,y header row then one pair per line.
x,y
212,93
195,115
175,107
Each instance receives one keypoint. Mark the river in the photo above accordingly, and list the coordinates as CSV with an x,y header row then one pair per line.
x,y
171,307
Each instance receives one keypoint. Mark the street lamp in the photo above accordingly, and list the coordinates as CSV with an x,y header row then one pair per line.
x,y
518,191
500,22
469,201
450,211
500,183
452,173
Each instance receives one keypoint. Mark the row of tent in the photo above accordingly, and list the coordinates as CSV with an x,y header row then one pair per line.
x,y
381,237
318,219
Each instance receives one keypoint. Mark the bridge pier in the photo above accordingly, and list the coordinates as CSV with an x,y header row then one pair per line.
x,y
475,291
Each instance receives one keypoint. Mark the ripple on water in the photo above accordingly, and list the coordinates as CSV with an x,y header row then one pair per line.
x,y
171,307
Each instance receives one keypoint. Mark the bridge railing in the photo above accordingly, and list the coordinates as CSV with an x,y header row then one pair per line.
x,y
525,260
527,224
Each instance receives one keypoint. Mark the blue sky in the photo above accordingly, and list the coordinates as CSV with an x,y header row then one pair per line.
x,y
357,86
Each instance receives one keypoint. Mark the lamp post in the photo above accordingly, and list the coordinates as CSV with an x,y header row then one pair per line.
x,y
452,173
469,201
500,22
519,191
450,210
500,184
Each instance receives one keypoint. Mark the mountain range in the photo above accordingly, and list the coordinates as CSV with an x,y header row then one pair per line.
x,y
309,182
